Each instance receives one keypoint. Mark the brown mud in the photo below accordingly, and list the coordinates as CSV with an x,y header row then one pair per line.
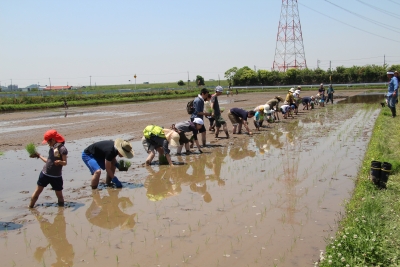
x,y
264,200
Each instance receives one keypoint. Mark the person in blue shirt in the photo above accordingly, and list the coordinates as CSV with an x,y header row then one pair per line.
x,y
199,112
392,93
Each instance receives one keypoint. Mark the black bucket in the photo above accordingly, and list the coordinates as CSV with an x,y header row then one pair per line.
x,y
375,173
385,172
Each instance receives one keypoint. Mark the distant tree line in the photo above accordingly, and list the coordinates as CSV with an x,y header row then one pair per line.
x,y
357,74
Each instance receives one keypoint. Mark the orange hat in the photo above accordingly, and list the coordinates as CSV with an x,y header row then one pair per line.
x,y
52,134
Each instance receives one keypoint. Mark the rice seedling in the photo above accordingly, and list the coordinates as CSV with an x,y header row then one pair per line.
x,y
31,148
124,165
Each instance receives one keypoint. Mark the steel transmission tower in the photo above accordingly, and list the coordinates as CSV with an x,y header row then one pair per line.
x,y
289,52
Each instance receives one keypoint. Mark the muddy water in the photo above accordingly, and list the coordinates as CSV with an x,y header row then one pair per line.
x,y
266,200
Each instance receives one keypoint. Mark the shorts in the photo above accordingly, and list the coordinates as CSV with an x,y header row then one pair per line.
x,y
92,163
219,121
183,138
55,182
234,119
147,146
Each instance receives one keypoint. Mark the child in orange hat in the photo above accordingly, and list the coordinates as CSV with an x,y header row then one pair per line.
x,y
52,170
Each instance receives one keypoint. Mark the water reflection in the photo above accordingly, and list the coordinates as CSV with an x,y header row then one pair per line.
x,y
55,234
241,151
106,212
199,170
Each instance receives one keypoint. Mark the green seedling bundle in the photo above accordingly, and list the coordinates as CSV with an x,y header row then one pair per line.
x,y
124,165
31,148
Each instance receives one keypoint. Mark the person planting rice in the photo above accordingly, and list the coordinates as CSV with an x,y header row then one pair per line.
x,y
102,156
291,101
238,117
259,117
52,170
185,127
306,101
274,104
216,112
286,111
157,138
269,114
330,94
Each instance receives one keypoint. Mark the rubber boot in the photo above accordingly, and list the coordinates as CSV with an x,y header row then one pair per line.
x,y
375,172
385,172
393,110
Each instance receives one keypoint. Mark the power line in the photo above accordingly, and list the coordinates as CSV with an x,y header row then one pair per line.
x,y
380,9
350,25
394,2
383,25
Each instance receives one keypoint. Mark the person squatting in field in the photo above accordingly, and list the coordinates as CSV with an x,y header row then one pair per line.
x,y
258,117
186,127
287,111
238,117
52,170
158,139
216,112
102,156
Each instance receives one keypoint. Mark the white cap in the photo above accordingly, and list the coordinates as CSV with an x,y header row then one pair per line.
x,y
219,89
291,90
267,108
390,73
198,121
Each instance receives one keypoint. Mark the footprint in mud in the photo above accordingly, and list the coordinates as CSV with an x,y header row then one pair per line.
x,y
24,192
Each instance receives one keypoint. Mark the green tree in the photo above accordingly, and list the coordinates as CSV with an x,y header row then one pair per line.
x,y
181,83
245,76
200,80
229,74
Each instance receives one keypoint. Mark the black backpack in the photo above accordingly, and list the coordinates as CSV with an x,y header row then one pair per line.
x,y
190,107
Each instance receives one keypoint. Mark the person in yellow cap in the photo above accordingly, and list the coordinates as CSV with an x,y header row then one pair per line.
x,y
52,170
158,138
102,156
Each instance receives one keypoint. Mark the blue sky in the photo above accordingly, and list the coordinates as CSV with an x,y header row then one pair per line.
x,y
161,41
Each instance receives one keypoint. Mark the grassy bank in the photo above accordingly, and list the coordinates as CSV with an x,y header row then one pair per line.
x,y
369,233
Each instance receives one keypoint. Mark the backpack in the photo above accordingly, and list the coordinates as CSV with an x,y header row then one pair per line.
x,y
153,130
190,107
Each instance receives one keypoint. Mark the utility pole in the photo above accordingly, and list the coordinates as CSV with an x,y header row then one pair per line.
x,y
12,89
50,83
188,80
318,61
384,60
330,66
90,82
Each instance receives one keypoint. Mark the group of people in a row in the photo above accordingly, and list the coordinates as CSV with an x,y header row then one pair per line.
x,y
102,155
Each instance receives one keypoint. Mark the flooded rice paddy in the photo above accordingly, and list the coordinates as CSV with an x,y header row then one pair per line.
x,y
263,200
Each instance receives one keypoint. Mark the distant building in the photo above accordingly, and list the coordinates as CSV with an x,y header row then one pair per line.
x,y
12,87
145,82
57,87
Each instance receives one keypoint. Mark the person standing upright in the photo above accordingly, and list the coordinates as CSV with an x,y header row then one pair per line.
x,y
330,94
216,112
198,105
392,93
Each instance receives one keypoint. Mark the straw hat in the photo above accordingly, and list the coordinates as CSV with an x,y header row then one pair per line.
x,y
124,148
172,137
291,90
279,98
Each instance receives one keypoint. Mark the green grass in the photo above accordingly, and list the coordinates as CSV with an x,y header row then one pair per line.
x,y
369,233
31,148
1,153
